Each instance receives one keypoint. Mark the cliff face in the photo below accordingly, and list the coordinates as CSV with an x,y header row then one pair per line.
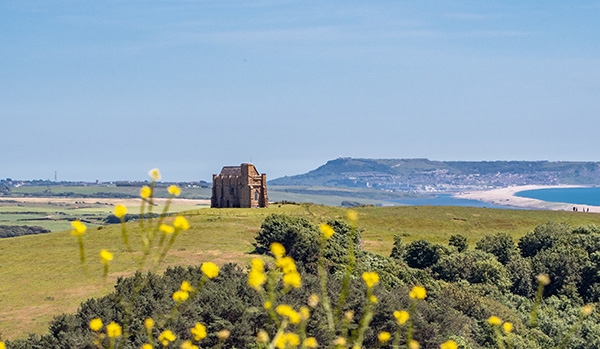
x,y
427,175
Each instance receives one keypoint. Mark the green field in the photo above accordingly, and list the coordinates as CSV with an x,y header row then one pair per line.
x,y
58,216
42,277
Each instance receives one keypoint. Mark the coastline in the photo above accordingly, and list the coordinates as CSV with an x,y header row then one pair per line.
x,y
506,197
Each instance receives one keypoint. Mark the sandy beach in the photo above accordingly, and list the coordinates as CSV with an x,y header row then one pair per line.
x,y
506,197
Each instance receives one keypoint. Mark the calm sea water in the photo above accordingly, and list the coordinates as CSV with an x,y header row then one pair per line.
x,y
578,196
448,200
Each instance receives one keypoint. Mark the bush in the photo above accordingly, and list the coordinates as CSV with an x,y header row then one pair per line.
x,y
543,237
565,265
421,254
299,237
500,245
459,241
9,231
399,249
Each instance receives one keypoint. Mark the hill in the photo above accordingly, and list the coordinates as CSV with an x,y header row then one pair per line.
x,y
428,175
48,266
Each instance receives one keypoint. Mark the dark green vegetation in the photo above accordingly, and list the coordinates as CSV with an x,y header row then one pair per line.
x,y
9,231
403,174
465,286
47,265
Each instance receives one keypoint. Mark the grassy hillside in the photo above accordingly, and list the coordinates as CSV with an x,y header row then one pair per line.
x,y
41,275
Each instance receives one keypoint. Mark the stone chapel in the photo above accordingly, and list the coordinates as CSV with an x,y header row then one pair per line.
x,y
239,186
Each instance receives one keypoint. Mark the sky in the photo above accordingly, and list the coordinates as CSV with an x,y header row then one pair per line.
x,y
106,90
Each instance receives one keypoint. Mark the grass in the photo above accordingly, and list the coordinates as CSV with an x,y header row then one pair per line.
x,y
41,275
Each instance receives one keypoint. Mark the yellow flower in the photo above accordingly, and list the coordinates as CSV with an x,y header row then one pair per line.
x,y
187,345
293,279
371,279
167,229
2,346
223,334
508,327
210,270
120,211
146,346
181,223
543,279
154,174
256,279
587,309
418,292
304,313
286,264
277,249
384,336
494,320
340,341
166,337
185,286
78,228
262,336
449,345
96,324
373,299
113,330
352,216
199,331
313,300
281,342
106,256
327,230
292,339
257,264
149,324
267,305
401,316
310,342
174,190
145,192
180,296
289,312
413,344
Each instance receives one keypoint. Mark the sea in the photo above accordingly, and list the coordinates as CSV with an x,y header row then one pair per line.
x,y
578,196
448,200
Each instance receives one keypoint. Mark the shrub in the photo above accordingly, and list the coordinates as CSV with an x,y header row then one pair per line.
x,y
500,245
399,249
459,241
299,237
543,237
421,254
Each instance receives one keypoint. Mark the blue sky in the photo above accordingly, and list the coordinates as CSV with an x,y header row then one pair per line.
x,y
109,89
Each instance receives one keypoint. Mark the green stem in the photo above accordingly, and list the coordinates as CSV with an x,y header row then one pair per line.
x,y
160,219
366,319
536,304
324,294
348,274
124,234
411,316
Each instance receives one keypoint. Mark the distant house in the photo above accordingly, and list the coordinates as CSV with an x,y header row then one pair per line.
x,y
239,186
